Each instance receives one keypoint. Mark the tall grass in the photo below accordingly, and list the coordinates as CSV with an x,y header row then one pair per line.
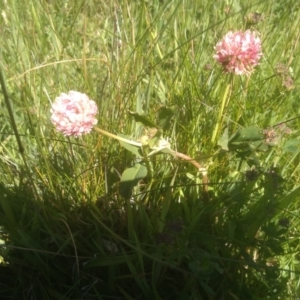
x,y
67,232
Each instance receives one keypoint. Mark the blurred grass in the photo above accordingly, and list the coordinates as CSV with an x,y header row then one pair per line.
x,y
68,233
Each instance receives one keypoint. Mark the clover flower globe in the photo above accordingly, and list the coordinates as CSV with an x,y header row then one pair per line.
x,y
239,52
74,113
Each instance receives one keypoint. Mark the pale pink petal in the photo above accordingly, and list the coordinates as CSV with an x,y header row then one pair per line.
x,y
74,113
239,52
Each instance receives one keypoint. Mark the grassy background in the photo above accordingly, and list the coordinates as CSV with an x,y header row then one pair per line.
x,y
66,231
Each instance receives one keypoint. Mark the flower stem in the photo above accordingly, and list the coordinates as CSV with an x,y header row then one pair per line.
x,y
220,117
175,153
118,137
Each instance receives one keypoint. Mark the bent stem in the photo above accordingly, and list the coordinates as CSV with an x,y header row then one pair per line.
x,y
118,137
167,150
200,168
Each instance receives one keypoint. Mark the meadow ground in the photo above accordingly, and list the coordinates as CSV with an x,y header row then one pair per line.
x,y
187,187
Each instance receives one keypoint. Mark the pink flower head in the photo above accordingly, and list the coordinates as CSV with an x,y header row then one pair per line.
x,y
74,113
239,52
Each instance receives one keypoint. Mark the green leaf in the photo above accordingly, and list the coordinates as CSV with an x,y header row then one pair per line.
x,y
291,146
133,149
142,119
223,141
287,200
202,267
130,179
208,289
248,134
247,138
165,116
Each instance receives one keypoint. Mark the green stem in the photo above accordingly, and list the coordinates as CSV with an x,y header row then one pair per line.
x,y
220,117
16,132
10,113
118,137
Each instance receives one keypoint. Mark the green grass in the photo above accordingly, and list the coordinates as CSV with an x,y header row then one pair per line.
x,y
66,230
